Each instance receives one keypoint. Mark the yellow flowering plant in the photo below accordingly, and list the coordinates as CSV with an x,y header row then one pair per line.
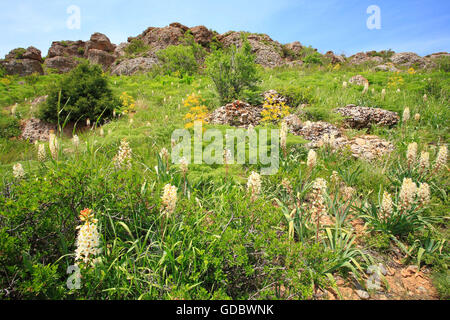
x,y
197,110
274,109
128,103
395,81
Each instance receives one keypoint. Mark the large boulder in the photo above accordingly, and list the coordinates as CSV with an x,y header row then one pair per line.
x,y
67,49
408,59
22,67
335,59
103,58
61,64
202,35
161,38
101,42
62,55
362,57
132,66
357,117
23,62
267,51
237,114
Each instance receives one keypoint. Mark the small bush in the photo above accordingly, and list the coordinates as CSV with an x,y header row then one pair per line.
x,y
183,59
232,71
314,58
84,94
136,46
9,127
178,60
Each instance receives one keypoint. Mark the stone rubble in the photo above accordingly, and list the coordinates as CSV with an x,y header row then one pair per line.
x,y
357,117
239,114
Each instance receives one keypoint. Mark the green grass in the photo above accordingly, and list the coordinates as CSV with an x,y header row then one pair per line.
x,y
218,244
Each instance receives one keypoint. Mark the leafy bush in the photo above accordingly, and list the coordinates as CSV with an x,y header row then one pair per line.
x,y
232,70
9,127
183,59
85,94
178,60
136,46
314,58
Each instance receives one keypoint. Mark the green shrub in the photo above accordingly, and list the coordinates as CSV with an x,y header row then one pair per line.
x,y
314,58
9,127
81,50
84,94
182,60
178,60
232,70
136,46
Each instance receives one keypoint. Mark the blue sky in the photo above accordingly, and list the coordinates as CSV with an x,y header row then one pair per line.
x,y
338,25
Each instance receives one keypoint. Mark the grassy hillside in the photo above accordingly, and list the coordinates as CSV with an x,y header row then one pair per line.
x,y
219,243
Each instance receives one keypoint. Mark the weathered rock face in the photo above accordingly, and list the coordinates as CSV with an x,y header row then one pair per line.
x,y
408,59
61,64
100,50
22,67
67,49
335,59
364,117
161,38
101,42
62,54
23,62
132,66
103,58
202,35
295,47
358,80
238,114
267,51
362,57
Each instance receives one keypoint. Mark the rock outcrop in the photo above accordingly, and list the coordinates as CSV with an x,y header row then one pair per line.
x,y
131,66
363,57
335,59
23,62
62,55
237,114
364,117
267,51
408,59
358,80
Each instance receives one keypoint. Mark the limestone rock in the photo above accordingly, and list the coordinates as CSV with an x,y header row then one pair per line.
x,y
364,117
132,66
358,80
266,50
238,114
61,64
36,130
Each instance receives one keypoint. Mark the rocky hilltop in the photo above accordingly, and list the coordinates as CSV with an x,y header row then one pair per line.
x,y
63,56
